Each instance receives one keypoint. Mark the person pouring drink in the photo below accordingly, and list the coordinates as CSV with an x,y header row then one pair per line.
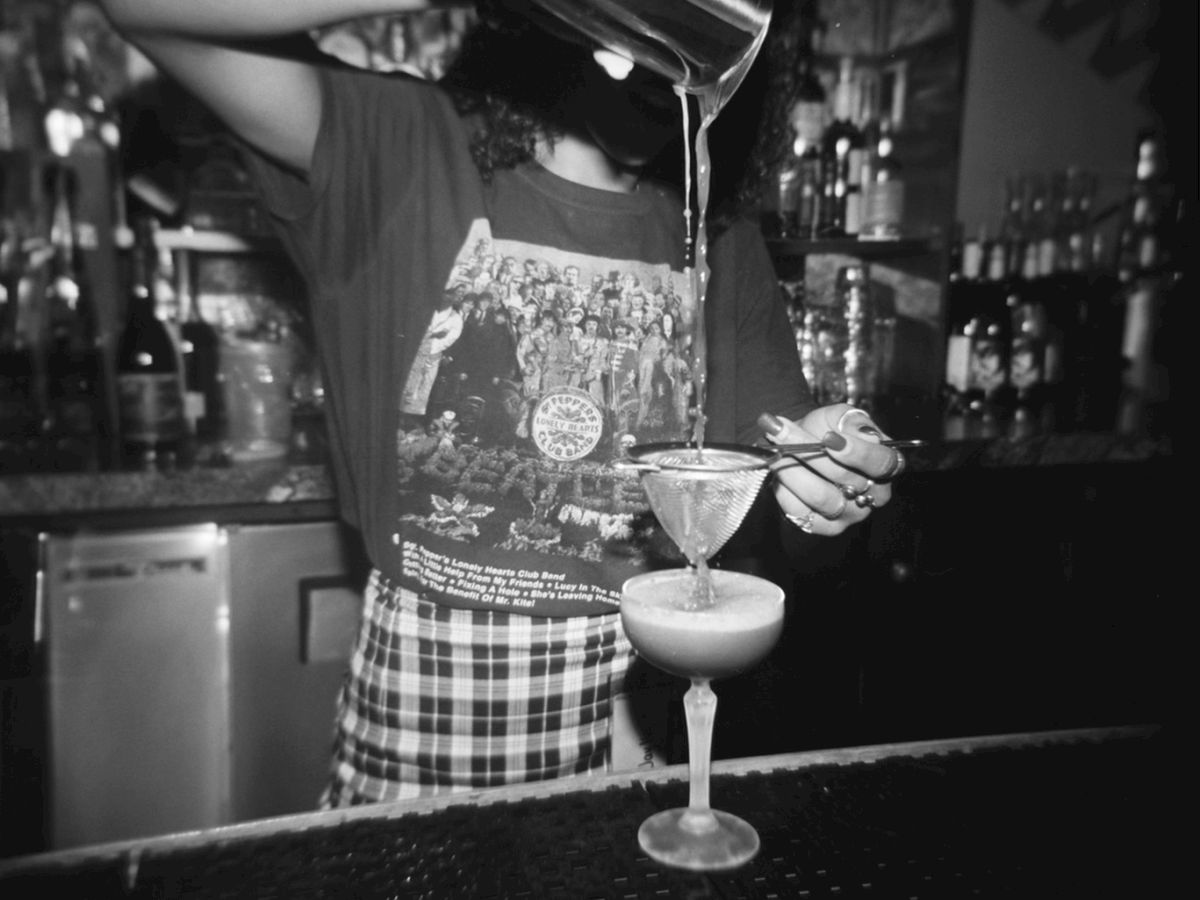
x,y
490,647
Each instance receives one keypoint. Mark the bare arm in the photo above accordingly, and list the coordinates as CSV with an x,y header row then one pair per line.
x,y
216,49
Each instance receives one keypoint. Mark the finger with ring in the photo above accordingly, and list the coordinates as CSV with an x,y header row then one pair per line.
x,y
804,522
847,414
864,500
895,467
836,514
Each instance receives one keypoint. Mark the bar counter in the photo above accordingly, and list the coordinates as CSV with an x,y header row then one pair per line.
x,y
1083,813
289,489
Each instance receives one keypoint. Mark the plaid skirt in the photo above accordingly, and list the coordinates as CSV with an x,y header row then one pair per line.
x,y
440,699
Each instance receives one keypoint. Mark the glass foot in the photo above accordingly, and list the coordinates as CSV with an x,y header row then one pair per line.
x,y
692,840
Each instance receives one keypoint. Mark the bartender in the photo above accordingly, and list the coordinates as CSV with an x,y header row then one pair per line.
x,y
490,648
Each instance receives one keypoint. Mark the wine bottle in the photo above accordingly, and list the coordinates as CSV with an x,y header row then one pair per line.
x,y
883,189
76,423
790,201
981,354
842,159
149,390
18,402
200,348
1138,241
1145,270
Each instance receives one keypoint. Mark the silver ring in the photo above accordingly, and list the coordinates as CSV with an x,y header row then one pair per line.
x,y
804,522
865,500
847,414
853,493
896,467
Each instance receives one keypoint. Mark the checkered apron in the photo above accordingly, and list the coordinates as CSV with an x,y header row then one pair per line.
x,y
440,699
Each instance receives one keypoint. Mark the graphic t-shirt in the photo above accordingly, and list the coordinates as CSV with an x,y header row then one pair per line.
x,y
490,349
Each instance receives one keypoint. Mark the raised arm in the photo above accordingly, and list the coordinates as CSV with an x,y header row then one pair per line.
x,y
220,51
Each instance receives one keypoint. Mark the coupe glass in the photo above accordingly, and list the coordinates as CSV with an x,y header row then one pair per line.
x,y
700,638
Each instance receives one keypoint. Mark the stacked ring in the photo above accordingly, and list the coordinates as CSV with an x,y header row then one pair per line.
x,y
864,500
853,493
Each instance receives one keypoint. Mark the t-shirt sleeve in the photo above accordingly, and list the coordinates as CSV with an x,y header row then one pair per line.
x,y
373,228
770,375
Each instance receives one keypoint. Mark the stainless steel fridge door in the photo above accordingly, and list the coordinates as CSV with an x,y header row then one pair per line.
x,y
297,599
137,657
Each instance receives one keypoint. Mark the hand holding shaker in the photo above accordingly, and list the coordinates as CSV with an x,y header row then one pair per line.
x,y
693,43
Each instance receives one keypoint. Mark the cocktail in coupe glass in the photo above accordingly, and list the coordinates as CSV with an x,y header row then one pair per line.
x,y
701,624
701,643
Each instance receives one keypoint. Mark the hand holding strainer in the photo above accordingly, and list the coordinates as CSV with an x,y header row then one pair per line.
x,y
701,496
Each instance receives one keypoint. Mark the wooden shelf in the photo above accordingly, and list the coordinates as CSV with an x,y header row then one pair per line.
x,y
863,249
214,241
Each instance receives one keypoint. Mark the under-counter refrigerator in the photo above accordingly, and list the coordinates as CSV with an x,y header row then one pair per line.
x,y
136,628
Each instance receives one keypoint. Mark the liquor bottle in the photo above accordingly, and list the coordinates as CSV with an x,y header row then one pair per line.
x,y
961,292
104,122
199,346
1144,270
1138,241
978,340
19,407
1014,222
842,157
1028,404
883,189
76,428
149,391
67,118
790,208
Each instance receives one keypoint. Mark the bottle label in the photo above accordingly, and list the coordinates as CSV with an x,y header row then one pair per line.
x,y
151,407
988,369
808,120
1025,365
972,259
1047,253
958,362
195,407
854,210
883,209
856,159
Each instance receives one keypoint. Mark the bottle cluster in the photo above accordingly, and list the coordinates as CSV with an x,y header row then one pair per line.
x,y
841,176
96,371
1054,316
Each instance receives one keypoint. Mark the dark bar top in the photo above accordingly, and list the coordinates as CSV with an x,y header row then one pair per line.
x,y
1070,814
289,490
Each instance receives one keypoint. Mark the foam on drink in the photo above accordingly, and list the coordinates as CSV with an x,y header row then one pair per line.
x,y
716,641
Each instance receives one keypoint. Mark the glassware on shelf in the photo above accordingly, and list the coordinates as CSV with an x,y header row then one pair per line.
x,y
256,373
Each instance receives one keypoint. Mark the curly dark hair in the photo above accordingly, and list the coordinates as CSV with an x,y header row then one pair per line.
x,y
515,82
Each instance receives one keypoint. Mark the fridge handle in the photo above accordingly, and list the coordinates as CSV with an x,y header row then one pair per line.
x,y
39,593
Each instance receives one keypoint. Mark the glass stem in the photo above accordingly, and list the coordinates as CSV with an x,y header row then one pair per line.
x,y
700,706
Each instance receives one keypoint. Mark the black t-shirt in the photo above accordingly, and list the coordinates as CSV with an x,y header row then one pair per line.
x,y
576,327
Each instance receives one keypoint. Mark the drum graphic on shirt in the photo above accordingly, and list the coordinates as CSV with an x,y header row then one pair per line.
x,y
567,424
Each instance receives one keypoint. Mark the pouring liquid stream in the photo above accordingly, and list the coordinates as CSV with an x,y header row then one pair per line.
x,y
710,100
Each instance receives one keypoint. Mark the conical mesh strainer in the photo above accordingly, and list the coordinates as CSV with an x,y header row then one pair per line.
x,y
699,496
